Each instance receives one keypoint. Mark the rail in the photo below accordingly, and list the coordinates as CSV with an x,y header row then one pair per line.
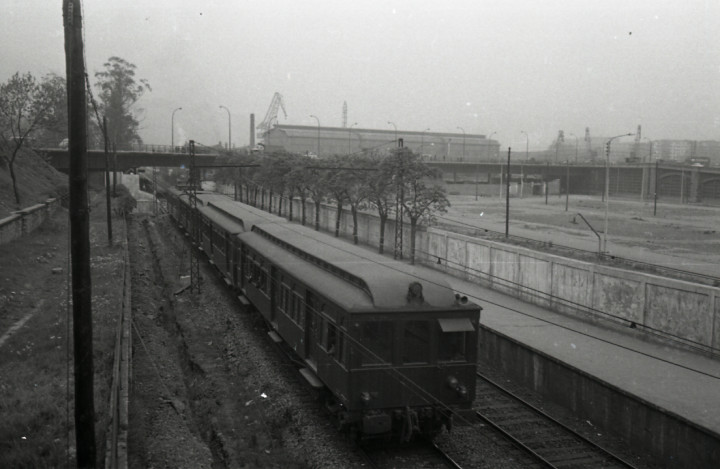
x,y
538,448
116,448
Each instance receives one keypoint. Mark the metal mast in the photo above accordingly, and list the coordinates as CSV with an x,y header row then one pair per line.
x,y
195,224
400,195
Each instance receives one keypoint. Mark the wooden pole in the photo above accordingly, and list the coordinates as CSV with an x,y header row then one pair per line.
x,y
80,236
107,185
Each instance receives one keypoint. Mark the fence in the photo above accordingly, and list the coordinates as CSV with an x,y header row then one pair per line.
x,y
25,221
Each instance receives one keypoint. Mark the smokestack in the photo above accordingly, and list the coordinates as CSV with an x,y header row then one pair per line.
x,y
252,131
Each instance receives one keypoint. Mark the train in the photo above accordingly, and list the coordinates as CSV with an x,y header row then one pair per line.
x,y
394,349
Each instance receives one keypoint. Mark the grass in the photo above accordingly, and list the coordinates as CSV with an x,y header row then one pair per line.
x,y
37,419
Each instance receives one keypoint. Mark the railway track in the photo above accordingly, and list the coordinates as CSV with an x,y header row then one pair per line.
x,y
549,442
420,455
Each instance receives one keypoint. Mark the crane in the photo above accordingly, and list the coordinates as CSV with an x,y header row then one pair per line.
x,y
272,112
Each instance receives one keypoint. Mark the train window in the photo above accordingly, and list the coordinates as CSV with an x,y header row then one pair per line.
x,y
375,344
263,280
340,356
330,338
452,347
300,311
416,342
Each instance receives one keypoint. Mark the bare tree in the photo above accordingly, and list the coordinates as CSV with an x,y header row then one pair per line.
x,y
422,199
318,189
381,192
24,107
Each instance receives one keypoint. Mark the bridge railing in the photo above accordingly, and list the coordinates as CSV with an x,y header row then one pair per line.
x,y
153,148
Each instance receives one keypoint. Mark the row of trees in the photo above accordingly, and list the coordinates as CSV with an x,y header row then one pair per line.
x,y
34,112
360,182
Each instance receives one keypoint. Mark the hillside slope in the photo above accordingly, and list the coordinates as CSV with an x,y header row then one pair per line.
x,y
36,180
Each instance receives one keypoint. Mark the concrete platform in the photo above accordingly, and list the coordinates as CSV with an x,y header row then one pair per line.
x,y
662,400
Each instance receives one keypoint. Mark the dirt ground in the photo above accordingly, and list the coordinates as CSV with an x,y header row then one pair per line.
x,y
682,236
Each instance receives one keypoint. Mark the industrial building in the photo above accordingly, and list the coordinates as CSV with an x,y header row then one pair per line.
x,y
325,141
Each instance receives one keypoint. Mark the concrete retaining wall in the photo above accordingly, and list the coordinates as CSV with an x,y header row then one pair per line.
x,y
26,220
671,439
681,309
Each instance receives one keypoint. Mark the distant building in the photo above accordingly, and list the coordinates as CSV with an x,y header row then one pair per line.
x,y
325,141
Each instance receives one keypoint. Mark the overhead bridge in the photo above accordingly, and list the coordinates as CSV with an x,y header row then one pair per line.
x,y
126,160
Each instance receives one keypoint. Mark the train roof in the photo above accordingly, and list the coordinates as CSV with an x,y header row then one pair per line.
x,y
247,215
340,292
386,283
229,224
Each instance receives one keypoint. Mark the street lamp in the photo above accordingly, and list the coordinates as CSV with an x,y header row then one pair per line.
x,y
172,129
567,174
477,170
607,185
463,131
527,144
422,141
229,126
395,126
349,129
318,138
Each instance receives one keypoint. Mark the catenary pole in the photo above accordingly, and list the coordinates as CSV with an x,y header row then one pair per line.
x,y
507,197
79,236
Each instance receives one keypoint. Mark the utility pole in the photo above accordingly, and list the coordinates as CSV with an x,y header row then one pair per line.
x,y
193,184
107,185
657,170
80,236
397,254
507,198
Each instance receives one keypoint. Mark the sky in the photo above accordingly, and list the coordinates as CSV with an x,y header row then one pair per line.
x,y
483,66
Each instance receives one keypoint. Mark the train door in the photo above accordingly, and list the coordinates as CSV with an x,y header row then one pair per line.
x,y
275,292
312,329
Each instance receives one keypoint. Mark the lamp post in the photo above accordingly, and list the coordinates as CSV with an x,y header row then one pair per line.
x,y
229,127
395,126
422,141
607,185
172,129
477,170
463,131
318,137
349,129
527,144
567,174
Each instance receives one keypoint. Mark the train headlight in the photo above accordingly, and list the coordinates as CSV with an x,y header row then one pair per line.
x,y
452,382
365,397
461,391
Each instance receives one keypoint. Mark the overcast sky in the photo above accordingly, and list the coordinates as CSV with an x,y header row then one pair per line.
x,y
503,67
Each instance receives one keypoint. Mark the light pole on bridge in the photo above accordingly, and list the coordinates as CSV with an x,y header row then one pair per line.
x,y
229,128
172,129
318,137
463,131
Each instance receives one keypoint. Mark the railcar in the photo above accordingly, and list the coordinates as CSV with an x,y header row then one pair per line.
x,y
395,347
